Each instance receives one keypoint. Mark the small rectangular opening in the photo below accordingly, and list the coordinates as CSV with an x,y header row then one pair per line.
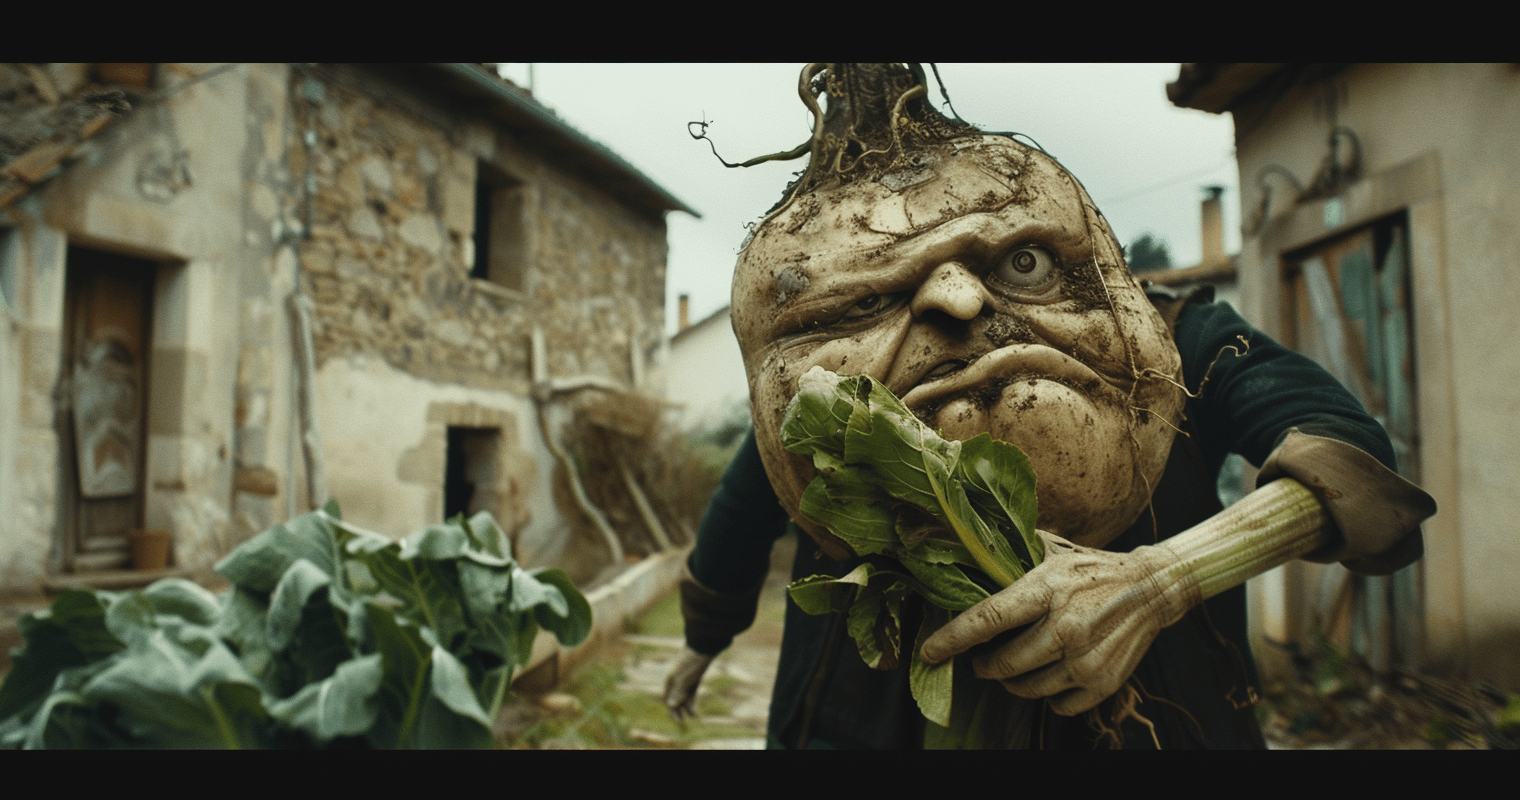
x,y
481,268
469,481
500,228
9,268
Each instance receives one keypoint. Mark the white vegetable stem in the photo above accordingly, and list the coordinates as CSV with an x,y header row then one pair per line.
x,y
1271,526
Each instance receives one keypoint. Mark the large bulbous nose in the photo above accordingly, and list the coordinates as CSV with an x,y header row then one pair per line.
x,y
951,289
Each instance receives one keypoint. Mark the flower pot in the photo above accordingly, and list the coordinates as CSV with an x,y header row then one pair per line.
x,y
150,548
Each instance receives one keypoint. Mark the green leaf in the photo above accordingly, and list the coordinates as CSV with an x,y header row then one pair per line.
x,y
875,620
70,633
261,562
945,585
1000,480
451,685
908,460
65,721
854,511
331,635
183,598
403,687
888,450
817,417
485,534
893,489
345,704
428,589
932,686
165,692
495,625
288,602
822,594
243,624
436,542
571,625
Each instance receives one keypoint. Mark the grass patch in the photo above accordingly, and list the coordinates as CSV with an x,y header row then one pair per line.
x,y
611,717
662,619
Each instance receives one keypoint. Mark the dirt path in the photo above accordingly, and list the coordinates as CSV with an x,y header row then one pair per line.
x,y
616,701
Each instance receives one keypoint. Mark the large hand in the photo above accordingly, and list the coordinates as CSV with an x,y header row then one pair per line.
x,y
681,686
1092,615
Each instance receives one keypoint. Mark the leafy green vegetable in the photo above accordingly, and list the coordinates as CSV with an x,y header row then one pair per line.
x,y
330,636
940,518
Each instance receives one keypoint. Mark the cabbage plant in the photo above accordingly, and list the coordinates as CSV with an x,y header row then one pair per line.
x,y
332,636
939,518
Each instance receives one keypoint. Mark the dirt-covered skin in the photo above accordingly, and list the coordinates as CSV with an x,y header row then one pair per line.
x,y
978,282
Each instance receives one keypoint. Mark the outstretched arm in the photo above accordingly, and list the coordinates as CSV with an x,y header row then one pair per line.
x,y
1092,614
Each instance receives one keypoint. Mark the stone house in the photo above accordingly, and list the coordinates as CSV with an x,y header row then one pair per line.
x,y
231,292
1379,205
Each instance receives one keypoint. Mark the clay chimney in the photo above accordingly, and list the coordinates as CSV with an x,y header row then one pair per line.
x,y
1213,226
683,312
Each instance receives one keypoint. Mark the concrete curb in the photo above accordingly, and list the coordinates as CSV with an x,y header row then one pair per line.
x,y
624,597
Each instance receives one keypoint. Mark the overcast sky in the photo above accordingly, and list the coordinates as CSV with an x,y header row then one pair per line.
x,y
1143,160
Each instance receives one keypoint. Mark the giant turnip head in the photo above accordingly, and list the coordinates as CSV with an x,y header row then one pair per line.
x,y
974,277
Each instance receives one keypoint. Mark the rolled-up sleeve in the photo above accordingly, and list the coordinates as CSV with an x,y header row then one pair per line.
x,y
1285,413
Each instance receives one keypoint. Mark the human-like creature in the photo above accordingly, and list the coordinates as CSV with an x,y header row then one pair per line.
x,y
973,276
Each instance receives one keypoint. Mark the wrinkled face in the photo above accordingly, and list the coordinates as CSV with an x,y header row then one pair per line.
x,y
981,287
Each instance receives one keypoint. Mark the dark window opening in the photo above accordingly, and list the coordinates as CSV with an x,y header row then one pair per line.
x,y
481,268
9,269
469,480
500,228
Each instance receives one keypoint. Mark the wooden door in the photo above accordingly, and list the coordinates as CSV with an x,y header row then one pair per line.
x,y
103,413
1349,309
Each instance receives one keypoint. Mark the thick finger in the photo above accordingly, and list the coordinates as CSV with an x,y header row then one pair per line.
x,y
1020,604
1063,686
1027,654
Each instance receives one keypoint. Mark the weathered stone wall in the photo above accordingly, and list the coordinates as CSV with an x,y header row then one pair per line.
x,y
390,255
405,338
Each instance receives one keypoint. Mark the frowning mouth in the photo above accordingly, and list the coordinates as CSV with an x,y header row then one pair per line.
x,y
1018,360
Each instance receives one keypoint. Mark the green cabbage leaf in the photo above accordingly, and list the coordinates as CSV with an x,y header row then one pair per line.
x,y
331,636
938,518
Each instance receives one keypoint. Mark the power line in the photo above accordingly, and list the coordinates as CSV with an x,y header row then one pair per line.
x,y
1172,182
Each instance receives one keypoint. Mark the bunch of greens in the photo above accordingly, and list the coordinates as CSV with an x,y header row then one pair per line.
x,y
938,518
332,636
